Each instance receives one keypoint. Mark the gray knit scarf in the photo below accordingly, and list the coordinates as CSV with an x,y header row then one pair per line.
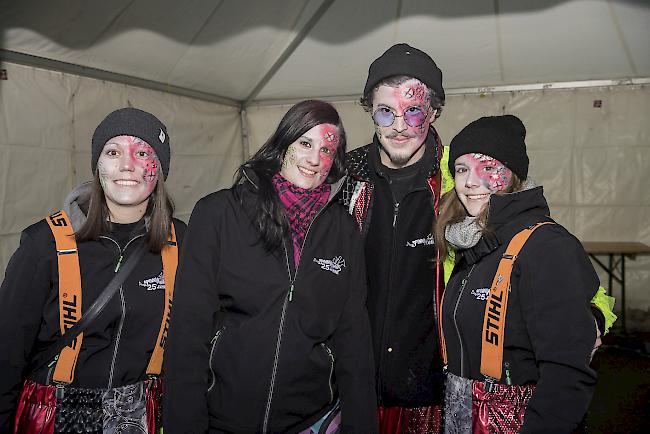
x,y
467,233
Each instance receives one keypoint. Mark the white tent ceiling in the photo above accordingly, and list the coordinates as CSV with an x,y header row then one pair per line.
x,y
237,51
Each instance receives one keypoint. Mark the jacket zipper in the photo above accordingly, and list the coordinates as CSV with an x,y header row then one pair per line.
x,y
460,340
214,341
390,282
331,356
278,342
123,306
288,298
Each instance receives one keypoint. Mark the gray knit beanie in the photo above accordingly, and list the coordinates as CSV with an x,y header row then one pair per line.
x,y
130,121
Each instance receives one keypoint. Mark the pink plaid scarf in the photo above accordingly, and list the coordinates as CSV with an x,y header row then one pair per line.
x,y
301,206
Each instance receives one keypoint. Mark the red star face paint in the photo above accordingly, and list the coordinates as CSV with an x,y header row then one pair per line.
x,y
477,177
128,171
309,159
402,116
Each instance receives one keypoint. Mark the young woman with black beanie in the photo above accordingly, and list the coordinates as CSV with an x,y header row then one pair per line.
x,y
516,316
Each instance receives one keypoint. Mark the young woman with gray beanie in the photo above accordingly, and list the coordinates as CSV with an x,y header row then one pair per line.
x,y
516,318
100,273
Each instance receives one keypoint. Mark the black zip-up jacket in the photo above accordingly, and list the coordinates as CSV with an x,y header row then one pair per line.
x,y
550,329
116,347
401,275
255,347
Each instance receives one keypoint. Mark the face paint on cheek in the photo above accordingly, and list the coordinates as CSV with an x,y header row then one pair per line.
x,y
101,171
500,178
414,93
330,137
495,179
151,169
149,164
289,157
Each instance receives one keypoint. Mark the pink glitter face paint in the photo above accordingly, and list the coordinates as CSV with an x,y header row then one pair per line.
x,y
128,170
491,173
330,141
309,159
402,116
477,177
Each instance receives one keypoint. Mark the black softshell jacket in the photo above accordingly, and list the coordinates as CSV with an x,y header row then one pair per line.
x,y
118,344
401,274
257,347
550,329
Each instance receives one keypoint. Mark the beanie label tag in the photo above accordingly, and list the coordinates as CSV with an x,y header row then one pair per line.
x,y
161,136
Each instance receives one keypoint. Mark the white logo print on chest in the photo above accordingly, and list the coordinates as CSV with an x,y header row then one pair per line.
x,y
335,265
154,283
481,293
428,241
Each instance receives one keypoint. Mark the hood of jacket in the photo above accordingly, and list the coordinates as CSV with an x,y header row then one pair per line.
x,y
76,204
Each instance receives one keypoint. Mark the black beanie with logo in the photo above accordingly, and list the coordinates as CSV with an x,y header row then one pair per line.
x,y
134,122
402,59
500,137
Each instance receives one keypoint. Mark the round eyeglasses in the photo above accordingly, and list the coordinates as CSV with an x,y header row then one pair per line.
x,y
413,116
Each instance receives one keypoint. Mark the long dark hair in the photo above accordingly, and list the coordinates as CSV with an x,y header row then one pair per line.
x,y
267,211
158,215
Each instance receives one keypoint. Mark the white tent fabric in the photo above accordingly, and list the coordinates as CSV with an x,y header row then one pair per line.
x,y
227,47
221,74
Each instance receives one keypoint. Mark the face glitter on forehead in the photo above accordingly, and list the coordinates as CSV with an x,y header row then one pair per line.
x,y
493,175
330,134
413,93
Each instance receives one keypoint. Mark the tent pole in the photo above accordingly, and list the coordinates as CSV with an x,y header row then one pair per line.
x,y
100,74
244,135
289,50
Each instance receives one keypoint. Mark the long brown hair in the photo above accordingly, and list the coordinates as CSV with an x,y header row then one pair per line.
x,y
159,215
453,211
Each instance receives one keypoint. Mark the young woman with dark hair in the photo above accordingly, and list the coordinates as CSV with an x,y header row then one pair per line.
x,y
107,379
270,331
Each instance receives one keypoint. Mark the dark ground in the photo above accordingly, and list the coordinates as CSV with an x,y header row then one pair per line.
x,y
621,402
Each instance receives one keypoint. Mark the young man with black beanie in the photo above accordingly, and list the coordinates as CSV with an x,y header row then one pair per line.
x,y
392,191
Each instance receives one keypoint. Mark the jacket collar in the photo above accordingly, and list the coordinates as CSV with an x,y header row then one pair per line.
x,y
507,208
251,178
507,215
361,161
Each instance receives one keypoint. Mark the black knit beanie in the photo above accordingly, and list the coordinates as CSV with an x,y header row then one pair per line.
x,y
500,137
402,59
130,121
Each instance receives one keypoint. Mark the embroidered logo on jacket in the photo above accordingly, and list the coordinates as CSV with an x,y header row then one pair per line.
x,y
154,283
428,241
334,265
481,293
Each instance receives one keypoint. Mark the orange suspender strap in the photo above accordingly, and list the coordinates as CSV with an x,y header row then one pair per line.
x,y
495,309
443,344
170,261
69,293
